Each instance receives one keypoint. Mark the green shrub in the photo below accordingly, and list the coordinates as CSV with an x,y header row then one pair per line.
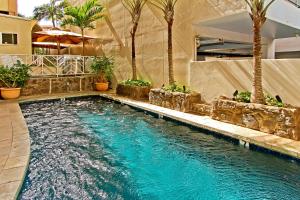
x,y
139,83
246,98
14,76
243,97
271,101
176,88
103,66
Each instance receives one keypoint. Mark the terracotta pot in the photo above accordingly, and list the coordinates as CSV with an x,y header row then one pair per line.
x,y
101,86
10,93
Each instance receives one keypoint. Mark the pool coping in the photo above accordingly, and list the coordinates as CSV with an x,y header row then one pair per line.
x,y
15,139
14,150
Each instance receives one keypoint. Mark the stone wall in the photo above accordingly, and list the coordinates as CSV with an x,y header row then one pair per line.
x,y
39,86
283,122
174,100
134,92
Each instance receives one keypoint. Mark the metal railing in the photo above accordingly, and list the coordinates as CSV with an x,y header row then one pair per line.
x,y
51,65
295,2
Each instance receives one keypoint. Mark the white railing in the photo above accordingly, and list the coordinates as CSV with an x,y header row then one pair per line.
x,y
51,65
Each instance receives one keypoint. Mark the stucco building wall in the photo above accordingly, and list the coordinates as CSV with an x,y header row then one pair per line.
x,y
215,78
11,6
20,26
151,40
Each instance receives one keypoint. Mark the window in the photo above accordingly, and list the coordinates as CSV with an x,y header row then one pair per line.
x,y
4,12
9,38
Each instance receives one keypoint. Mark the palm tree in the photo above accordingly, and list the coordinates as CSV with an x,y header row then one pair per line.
x,y
53,11
258,16
135,8
168,8
83,17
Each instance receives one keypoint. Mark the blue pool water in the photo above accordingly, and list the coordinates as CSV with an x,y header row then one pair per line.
x,y
96,149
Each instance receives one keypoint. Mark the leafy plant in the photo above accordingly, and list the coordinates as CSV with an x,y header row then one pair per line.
x,y
271,101
135,8
15,76
245,97
168,9
258,11
104,67
176,88
83,17
139,83
53,11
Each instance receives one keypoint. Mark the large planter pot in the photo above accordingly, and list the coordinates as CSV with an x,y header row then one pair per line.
x,y
133,92
174,100
101,86
10,93
283,122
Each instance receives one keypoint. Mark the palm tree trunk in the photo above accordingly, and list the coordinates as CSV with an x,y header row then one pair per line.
x,y
133,53
83,42
170,53
257,88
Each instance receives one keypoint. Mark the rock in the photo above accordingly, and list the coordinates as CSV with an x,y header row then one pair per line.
x,y
134,92
174,100
284,122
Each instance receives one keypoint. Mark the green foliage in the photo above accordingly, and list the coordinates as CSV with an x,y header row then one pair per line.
x,y
176,88
83,16
139,83
53,11
246,98
243,97
104,67
15,76
271,101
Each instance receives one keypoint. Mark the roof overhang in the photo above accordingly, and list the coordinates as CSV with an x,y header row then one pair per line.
x,y
241,23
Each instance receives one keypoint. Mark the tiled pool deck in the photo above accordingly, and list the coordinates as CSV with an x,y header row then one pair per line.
x,y
14,150
15,142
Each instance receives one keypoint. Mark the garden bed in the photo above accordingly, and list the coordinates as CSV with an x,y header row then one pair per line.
x,y
174,100
133,92
283,122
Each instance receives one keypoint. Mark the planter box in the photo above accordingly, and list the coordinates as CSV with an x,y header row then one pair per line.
x,y
174,100
283,122
134,92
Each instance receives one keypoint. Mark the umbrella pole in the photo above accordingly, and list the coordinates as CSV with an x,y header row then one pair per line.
x,y
58,47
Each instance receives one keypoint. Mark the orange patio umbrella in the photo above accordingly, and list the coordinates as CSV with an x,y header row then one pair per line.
x,y
60,37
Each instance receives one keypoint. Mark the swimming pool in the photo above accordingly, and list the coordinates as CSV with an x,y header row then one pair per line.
x,y
96,149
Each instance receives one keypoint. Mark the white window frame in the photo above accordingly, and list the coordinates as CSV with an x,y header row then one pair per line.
x,y
1,33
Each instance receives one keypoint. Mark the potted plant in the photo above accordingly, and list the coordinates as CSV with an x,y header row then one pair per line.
x,y
13,79
103,66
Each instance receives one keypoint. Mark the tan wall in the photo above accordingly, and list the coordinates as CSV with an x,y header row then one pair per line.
x,y
151,38
11,24
9,5
280,77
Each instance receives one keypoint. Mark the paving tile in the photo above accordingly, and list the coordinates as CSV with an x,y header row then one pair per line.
x,y
4,151
13,162
7,196
10,188
5,143
20,137
20,150
10,175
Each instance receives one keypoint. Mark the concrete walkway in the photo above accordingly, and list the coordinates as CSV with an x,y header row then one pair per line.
x,y
14,150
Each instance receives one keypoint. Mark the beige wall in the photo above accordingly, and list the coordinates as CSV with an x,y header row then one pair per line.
x,y
9,5
21,26
280,77
151,38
